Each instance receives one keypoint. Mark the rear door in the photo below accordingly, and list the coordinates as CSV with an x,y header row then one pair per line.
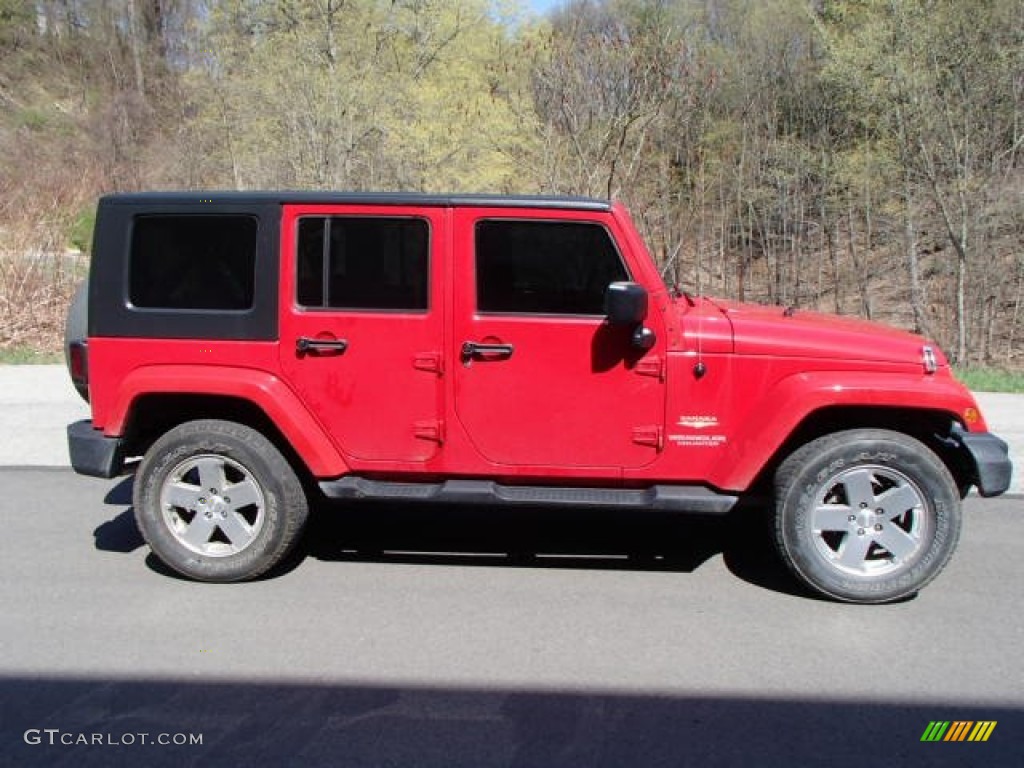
x,y
361,330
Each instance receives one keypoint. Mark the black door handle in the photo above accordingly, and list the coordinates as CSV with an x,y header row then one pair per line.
x,y
307,346
485,352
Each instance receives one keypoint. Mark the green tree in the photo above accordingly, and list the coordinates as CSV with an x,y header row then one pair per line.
x,y
355,95
940,83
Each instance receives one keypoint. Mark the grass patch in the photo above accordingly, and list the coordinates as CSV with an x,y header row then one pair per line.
x,y
991,379
28,356
80,233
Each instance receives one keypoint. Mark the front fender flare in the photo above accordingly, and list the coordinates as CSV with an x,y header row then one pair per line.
x,y
781,410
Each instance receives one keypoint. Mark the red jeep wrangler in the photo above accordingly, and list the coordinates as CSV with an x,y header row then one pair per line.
x,y
251,347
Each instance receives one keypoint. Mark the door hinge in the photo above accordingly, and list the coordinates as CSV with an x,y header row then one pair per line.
x,y
429,429
429,362
651,366
650,436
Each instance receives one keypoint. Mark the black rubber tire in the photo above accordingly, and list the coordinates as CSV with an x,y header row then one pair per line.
x,y
806,474
76,327
285,503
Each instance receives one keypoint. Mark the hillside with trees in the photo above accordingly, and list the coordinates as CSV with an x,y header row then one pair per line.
x,y
863,157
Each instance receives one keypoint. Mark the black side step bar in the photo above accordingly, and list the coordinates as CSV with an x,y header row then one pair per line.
x,y
679,498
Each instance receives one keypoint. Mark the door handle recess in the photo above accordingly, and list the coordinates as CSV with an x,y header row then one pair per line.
x,y
485,352
307,346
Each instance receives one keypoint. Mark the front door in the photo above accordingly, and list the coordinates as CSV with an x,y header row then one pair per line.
x,y
361,326
540,378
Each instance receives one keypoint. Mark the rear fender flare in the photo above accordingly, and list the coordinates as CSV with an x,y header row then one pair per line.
x,y
266,391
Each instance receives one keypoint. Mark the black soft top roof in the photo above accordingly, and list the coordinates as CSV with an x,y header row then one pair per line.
x,y
357,198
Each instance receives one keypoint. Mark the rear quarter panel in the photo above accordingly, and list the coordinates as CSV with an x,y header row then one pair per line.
x,y
122,370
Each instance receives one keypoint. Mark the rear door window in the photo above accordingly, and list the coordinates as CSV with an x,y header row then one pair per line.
x,y
363,263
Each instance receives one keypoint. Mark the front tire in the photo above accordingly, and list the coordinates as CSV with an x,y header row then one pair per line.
x,y
216,501
866,515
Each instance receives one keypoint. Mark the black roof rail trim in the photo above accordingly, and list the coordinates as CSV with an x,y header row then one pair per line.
x,y
227,197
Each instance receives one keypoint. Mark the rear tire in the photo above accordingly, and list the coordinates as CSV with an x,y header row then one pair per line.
x,y
217,501
866,515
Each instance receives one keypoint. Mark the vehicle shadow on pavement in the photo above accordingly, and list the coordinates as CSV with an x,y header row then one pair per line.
x,y
119,534
528,537
521,537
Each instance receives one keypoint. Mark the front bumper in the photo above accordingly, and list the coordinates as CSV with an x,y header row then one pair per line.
x,y
989,459
92,452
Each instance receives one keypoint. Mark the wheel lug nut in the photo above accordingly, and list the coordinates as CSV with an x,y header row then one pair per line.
x,y
851,518
879,511
860,531
878,527
227,499
202,499
863,505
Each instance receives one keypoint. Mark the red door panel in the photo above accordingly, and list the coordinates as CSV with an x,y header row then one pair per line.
x,y
369,373
549,390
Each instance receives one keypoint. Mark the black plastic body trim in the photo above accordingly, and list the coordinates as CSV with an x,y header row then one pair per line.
x,y
990,458
680,498
92,452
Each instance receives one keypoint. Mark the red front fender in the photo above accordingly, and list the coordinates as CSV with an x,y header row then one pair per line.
x,y
781,409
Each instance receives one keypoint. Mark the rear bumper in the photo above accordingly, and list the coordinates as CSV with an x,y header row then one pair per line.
x,y
990,461
92,452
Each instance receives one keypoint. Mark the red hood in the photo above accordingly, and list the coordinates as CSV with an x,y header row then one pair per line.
x,y
761,330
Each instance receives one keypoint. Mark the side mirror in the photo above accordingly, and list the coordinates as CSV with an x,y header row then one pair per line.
x,y
625,304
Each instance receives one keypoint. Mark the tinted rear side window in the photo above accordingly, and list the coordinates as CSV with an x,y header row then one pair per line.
x,y
193,262
540,267
371,263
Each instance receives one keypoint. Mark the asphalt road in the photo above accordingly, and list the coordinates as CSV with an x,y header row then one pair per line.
x,y
439,637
